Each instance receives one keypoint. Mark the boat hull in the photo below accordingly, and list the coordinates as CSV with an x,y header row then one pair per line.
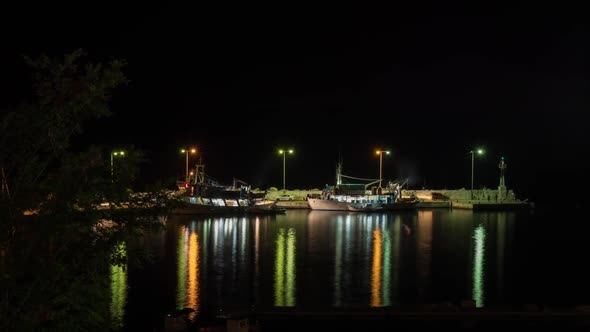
x,y
327,205
364,208
332,205
272,210
190,209
397,206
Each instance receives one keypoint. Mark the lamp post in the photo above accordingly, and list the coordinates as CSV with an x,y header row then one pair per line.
x,y
380,153
186,152
284,153
473,152
113,154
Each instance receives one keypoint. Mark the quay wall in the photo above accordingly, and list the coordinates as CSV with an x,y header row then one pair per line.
x,y
298,194
459,194
444,195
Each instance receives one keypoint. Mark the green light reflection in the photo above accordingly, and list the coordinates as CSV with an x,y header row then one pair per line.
x,y
118,290
479,236
285,268
181,267
386,293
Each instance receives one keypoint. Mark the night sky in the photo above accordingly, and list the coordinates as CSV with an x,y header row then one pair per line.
x,y
428,83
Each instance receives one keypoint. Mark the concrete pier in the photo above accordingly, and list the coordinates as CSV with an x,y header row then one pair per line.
x,y
485,199
293,204
485,205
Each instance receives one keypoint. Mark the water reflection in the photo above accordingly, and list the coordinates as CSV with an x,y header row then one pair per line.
x,y
375,230
256,253
343,254
193,272
500,250
386,279
424,254
376,271
381,265
327,259
338,263
285,268
187,294
181,267
479,237
118,289
366,251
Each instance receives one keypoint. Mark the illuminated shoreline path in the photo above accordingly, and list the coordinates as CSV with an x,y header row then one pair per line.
x,y
285,268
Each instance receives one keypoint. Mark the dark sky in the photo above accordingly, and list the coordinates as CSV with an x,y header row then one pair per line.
x,y
428,83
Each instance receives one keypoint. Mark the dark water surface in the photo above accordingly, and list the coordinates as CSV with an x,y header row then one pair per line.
x,y
320,260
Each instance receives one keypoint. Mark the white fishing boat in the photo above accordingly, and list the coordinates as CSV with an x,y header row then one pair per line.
x,y
356,197
363,207
346,196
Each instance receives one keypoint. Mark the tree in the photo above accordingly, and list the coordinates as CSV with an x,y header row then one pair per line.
x,y
56,243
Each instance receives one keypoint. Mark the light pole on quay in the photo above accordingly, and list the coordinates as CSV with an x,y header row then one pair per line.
x,y
186,152
473,152
115,154
380,153
284,153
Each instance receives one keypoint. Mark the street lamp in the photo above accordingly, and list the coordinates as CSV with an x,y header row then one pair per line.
x,y
186,152
380,153
473,152
115,154
284,153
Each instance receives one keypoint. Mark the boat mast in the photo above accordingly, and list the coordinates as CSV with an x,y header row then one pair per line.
x,y
339,173
199,173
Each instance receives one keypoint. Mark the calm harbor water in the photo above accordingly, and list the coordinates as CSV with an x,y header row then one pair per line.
x,y
321,260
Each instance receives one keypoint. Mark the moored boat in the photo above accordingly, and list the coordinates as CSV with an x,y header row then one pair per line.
x,y
356,207
266,209
356,197
208,209
206,196
402,204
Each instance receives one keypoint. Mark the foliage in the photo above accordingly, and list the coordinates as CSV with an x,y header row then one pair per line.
x,y
57,239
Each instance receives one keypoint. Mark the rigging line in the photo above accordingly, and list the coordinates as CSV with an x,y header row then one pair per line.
x,y
351,177
368,184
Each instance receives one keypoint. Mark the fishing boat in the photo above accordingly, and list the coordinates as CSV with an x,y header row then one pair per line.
x,y
363,207
205,195
346,196
398,202
356,197
266,209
